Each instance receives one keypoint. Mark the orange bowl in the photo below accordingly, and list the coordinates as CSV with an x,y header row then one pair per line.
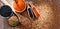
x,y
20,6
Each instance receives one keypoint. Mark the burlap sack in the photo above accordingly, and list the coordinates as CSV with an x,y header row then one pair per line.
x,y
49,16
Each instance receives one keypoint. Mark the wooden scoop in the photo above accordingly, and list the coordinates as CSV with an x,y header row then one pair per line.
x,y
35,12
34,9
